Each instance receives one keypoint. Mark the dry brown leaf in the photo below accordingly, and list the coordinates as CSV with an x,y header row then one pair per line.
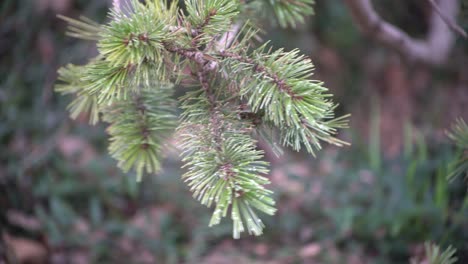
x,y
25,250
261,249
310,250
25,221
76,149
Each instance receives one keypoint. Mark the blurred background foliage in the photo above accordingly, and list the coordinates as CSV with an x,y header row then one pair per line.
x,y
63,200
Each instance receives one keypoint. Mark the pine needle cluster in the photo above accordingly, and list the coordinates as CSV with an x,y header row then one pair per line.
x,y
237,94
436,255
459,135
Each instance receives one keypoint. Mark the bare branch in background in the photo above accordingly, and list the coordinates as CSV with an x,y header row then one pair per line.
x,y
448,20
433,50
116,4
122,6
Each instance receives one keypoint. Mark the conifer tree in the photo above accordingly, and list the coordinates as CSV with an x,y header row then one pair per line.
x,y
237,94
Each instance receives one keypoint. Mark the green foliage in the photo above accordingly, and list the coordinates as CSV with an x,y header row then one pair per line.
x,y
139,128
278,85
285,12
36,179
79,207
401,205
403,200
459,135
224,165
132,39
212,17
236,94
71,77
437,256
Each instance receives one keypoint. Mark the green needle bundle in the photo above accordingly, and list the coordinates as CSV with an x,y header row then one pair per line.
x,y
237,94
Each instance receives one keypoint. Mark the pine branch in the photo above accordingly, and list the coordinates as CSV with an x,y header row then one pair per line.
x,y
139,126
224,166
136,37
279,84
237,96
284,12
71,82
459,135
209,19
435,255
84,28
261,70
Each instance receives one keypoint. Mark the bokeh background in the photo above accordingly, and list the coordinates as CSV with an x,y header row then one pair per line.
x,y
63,200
